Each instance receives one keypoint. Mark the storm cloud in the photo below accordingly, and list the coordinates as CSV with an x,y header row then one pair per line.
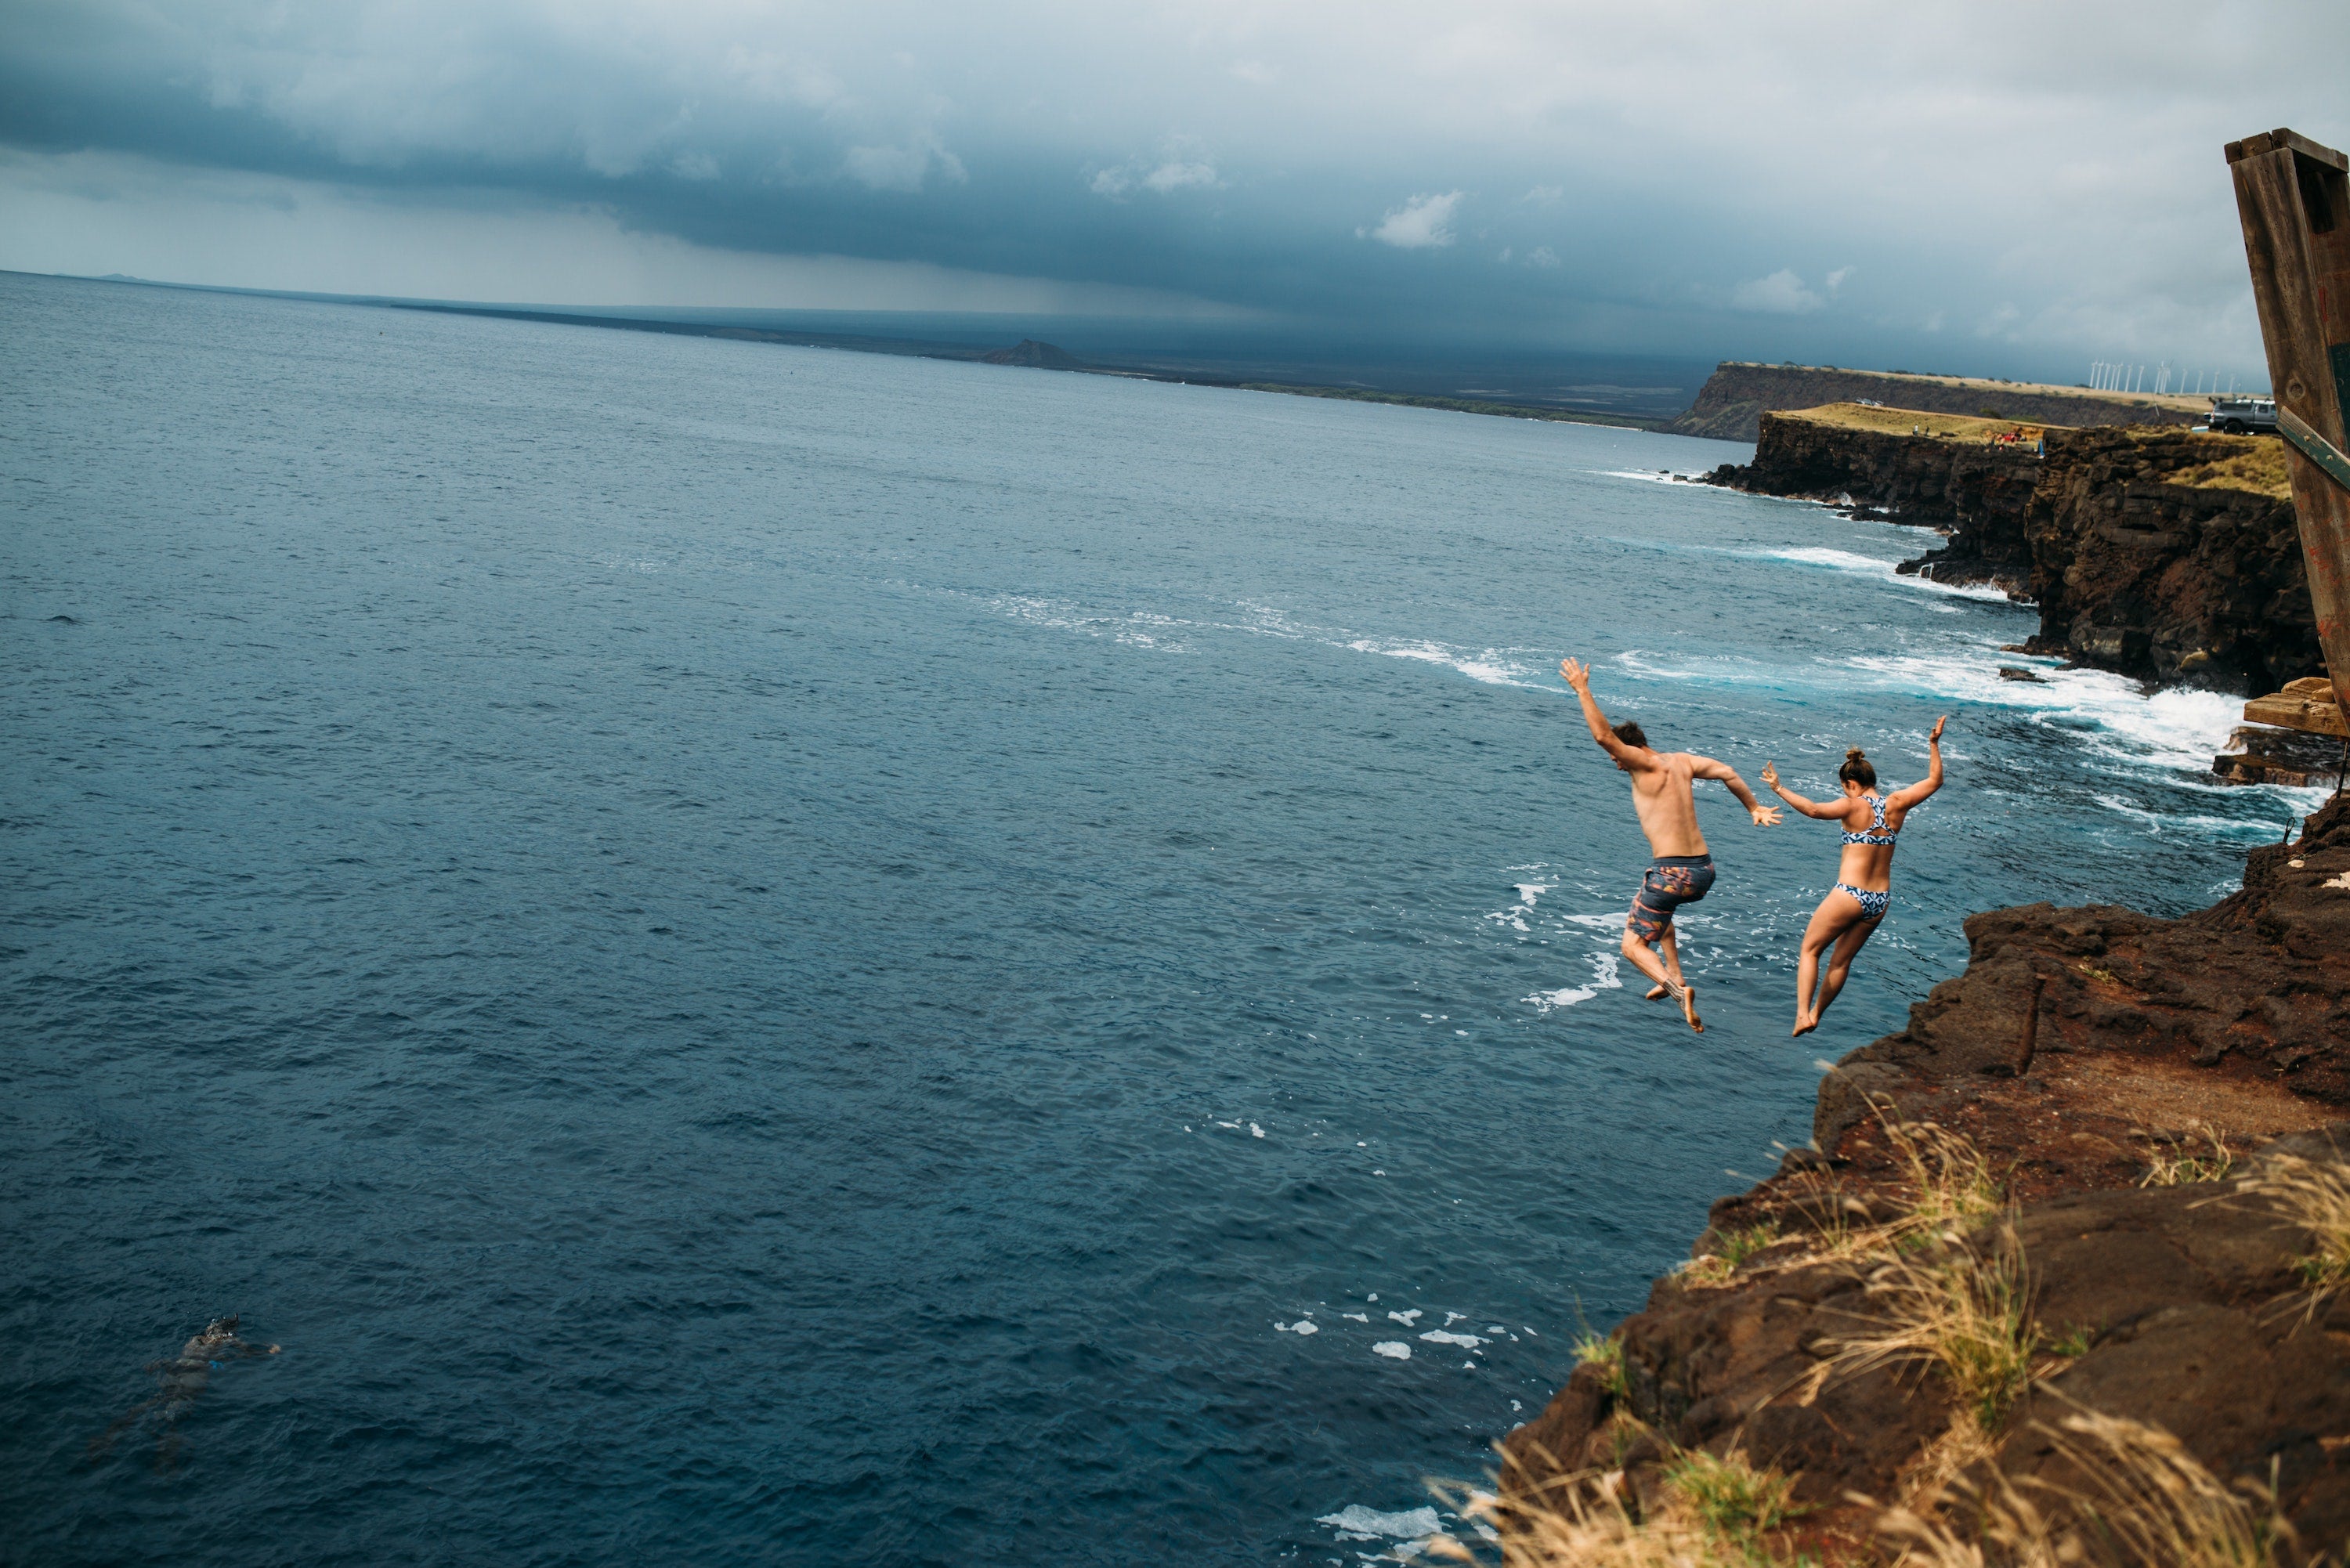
x,y
2004,188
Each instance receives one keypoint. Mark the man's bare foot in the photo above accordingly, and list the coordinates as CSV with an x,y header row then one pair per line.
x,y
1656,994
1804,1024
1688,1007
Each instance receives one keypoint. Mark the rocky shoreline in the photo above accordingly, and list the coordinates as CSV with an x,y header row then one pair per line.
x,y
2114,1077
2164,555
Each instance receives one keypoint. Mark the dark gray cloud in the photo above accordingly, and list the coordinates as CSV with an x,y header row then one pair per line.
x,y
2015,188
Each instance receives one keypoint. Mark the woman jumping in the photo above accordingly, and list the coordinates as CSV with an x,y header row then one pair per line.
x,y
1849,915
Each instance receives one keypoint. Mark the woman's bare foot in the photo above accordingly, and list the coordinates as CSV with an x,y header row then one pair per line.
x,y
1688,1007
1804,1024
1656,994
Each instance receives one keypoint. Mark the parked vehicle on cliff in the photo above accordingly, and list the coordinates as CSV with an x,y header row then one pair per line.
x,y
2244,416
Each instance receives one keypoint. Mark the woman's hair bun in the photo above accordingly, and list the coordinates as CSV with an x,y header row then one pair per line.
x,y
1854,755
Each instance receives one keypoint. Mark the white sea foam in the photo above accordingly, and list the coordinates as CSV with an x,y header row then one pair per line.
x,y
1878,568
1407,1525
1394,1349
1603,977
1487,665
1465,1341
1405,1318
1303,1326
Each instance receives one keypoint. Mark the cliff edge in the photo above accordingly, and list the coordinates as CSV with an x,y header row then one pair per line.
x,y
2120,1095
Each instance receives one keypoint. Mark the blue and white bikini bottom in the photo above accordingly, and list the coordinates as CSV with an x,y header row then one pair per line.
x,y
1872,905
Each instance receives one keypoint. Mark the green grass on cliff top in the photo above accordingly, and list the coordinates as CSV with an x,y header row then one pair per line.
x,y
2236,463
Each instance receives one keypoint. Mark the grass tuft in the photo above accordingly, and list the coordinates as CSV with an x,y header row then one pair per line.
x,y
1967,1318
1951,1180
2179,1170
1732,1501
2141,1501
1599,1350
2316,1197
1731,1249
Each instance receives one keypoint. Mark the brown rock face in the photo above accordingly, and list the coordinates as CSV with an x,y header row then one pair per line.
x,y
2181,1305
1973,491
2163,581
2133,572
1731,404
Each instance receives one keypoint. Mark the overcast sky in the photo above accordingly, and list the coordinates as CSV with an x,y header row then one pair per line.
x,y
2014,190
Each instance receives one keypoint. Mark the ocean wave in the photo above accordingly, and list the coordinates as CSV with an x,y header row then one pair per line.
x,y
1487,666
1878,569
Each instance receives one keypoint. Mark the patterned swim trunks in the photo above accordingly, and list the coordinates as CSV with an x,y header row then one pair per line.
x,y
1673,881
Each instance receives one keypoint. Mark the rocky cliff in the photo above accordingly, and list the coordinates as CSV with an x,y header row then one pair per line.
x,y
2119,1080
1730,404
2142,564
1971,490
2156,553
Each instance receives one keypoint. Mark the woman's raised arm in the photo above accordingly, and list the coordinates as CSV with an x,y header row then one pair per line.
x,y
1906,798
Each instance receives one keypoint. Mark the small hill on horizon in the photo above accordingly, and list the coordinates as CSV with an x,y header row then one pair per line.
x,y
1038,356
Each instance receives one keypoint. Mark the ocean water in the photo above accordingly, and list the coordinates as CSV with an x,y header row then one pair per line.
x,y
758,955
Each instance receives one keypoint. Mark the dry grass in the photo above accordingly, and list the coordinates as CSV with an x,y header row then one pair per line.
x,y
1949,1183
2316,1197
2141,1501
1717,1512
2239,462
1577,1529
1964,1317
2182,1169
1908,422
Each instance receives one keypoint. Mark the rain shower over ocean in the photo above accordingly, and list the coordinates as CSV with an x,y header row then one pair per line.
x,y
760,955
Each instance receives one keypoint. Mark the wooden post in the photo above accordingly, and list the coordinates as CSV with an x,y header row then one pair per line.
x,y
2293,197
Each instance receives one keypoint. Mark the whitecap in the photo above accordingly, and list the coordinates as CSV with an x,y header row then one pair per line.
x,y
1465,1341
1485,666
1408,1524
1603,977
1405,1318
1395,1349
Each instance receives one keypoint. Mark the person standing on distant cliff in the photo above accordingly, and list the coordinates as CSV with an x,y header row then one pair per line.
x,y
1665,802
1851,912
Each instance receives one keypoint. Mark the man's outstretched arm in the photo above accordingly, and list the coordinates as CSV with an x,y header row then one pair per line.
x,y
1578,675
1706,768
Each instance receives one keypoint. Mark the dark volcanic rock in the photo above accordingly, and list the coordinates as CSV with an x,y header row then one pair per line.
x,y
2133,573
1971,490
2163,581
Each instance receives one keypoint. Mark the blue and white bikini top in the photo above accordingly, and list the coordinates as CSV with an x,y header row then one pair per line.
x,y
1881,835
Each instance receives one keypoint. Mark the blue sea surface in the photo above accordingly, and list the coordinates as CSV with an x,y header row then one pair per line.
x,y
761,955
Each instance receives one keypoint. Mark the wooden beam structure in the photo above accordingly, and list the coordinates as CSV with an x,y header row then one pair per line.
x,y
2293,198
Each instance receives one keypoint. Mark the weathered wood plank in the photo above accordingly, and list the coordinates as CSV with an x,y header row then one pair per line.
x,y
2293,200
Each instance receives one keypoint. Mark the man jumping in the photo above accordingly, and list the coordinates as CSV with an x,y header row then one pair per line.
x,y
1683,870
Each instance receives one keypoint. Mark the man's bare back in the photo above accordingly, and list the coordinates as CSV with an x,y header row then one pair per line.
x,y
1665,802
1664,797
